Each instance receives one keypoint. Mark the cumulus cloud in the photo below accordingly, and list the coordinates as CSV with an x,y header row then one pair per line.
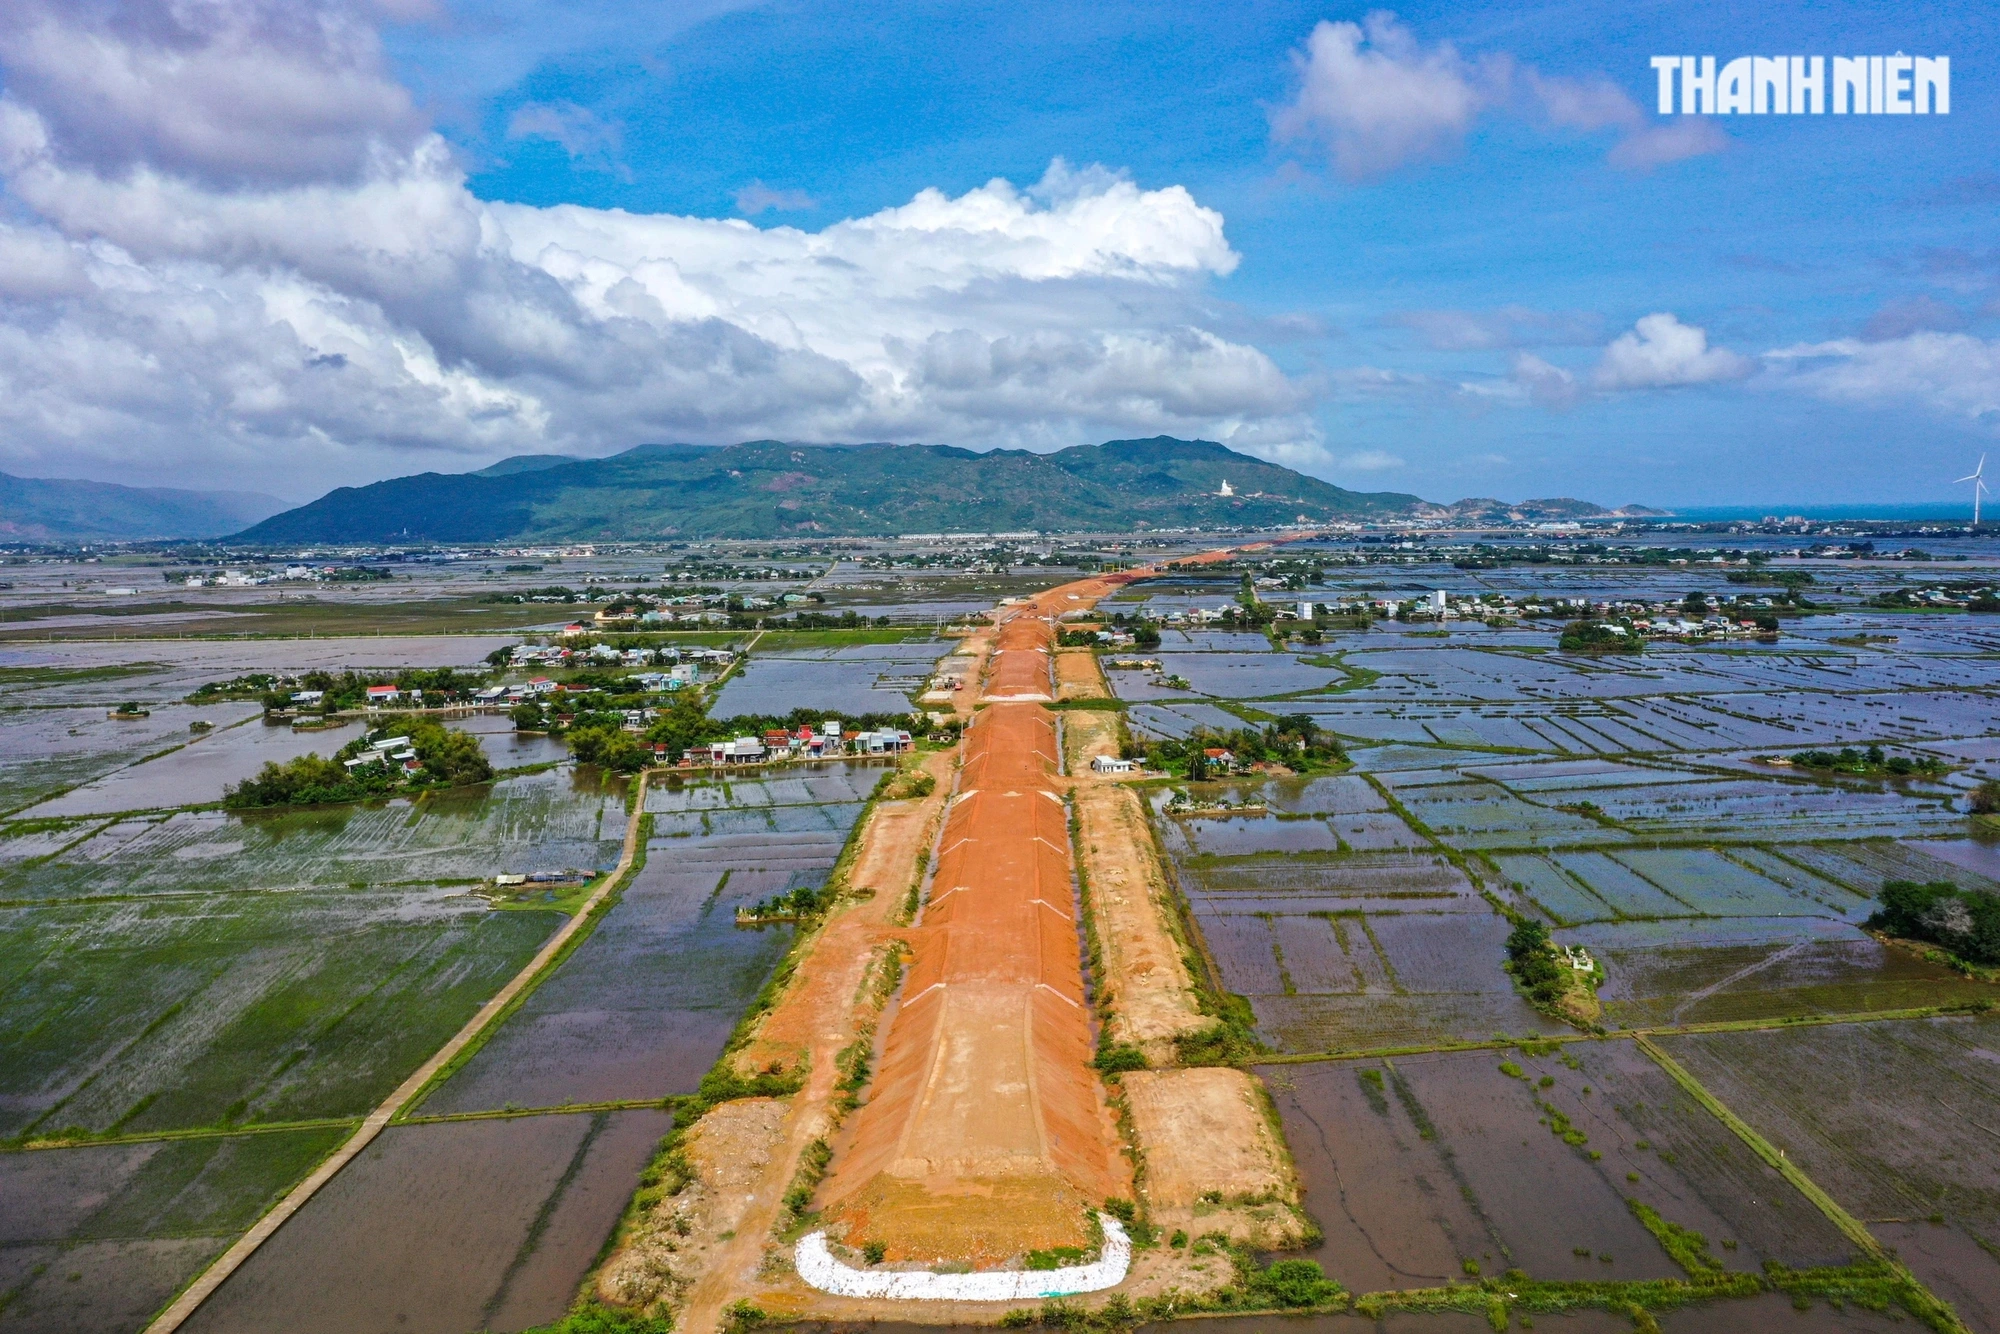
x,y
1954,375
324,297
1368,460
1376,98
1659,352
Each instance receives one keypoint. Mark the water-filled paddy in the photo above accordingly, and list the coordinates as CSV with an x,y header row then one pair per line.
x,y
441,1229
186,1011
549,821
198,772
1893,1120
46,750
857,679
94,1240
1416,1164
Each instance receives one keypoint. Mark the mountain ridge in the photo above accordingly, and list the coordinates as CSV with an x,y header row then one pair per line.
x,y
60,509
769,488
775,489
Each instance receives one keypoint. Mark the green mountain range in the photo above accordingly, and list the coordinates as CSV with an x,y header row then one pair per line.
x,y
61,509
766,489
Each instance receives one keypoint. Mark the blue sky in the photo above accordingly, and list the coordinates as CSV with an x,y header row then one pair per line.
x,y
1432,306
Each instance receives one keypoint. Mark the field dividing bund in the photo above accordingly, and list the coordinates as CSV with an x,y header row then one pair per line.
x,y
213,1277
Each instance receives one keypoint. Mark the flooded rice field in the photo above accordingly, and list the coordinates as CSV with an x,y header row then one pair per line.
x,y
198,772
445,1229
1414,1165
192,1010
1895,1120
94,1240
858,679
552,821
46,751
200,973
642,1008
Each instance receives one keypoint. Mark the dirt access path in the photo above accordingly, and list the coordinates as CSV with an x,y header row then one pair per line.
x,y
376,1121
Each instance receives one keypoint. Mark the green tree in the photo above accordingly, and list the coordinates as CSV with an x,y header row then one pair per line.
x,y
608,748
1986,798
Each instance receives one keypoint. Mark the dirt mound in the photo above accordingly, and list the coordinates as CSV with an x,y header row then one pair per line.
x,y
986,1132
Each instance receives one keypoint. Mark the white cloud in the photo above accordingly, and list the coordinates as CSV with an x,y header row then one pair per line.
x,y
1954,375
588,139
1659,352
358,310
758,197
1596,104
1368,460
1546,384
227,91
1376,98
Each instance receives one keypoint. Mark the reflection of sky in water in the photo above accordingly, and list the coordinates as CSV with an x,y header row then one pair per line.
x,y
197,772
865,678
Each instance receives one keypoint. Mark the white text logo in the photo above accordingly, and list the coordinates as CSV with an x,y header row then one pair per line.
x,y
1897,85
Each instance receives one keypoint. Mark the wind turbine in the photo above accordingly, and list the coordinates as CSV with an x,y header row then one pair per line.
x,y
1978,479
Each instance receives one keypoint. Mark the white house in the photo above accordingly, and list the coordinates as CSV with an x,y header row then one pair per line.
x,y
1111,764
743,750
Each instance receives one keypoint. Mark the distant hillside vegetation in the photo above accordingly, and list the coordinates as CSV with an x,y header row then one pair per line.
x,y
770,489
59,509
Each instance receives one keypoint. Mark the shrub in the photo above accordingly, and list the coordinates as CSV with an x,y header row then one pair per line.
x,y
1294,1283
1115,1058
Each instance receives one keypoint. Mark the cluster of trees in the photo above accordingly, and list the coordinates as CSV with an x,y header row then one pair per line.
x,y
1531,959
1848,760
1295,741
1978,597
449,759
800,905
595,726
255,685
1145,633
348,690
1964,921
1599,637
